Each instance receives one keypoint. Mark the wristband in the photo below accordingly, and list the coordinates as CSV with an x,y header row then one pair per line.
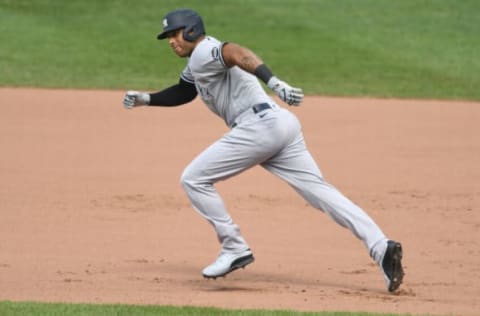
x,y
263,73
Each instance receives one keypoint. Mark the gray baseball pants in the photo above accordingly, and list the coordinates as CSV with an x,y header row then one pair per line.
x,y
274,140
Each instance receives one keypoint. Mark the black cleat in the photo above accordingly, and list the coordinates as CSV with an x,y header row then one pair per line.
x,y
392,265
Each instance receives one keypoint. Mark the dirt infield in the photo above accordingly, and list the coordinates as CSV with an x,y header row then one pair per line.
x,y
92,209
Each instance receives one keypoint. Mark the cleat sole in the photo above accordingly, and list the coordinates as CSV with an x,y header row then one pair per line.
x,y
237,264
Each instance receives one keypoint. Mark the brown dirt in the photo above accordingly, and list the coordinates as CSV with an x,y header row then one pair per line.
x,y
92,209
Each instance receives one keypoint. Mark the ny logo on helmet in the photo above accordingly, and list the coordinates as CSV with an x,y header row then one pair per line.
x,y
165,23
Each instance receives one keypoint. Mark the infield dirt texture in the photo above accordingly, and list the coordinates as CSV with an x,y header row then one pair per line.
x,y
92,209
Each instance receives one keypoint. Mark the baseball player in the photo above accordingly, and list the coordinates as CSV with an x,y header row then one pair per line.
x,y
226,77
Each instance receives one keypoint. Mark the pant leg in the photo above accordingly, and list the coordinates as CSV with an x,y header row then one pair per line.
x,y
295,165
243,147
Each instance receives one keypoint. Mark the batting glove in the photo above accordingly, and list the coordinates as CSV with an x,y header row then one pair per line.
x,y
288,94
135,98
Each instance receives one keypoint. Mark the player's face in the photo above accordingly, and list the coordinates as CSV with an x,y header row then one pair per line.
x,y
180,46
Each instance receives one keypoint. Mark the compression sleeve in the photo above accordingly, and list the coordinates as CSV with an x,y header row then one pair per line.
x,y
178,94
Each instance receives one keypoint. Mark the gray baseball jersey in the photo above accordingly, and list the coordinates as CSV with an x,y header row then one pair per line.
x,y
226,91
271,138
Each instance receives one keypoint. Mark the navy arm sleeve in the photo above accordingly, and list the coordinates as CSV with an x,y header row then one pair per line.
x,y
178,94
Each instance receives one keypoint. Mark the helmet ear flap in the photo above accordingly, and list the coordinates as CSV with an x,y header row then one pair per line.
x,y
194,29
189,33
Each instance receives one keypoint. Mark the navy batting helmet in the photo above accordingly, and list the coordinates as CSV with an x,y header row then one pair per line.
x,y
186,19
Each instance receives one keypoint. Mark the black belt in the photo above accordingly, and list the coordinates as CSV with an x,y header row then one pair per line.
x,y
257,108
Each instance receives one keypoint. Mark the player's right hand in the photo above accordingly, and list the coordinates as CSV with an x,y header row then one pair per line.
x,y
135,98
288,94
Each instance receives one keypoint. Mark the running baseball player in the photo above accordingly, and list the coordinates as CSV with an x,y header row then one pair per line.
x,y
225,75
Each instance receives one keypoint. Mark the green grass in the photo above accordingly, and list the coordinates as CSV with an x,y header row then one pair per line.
x,y
407,48
49,309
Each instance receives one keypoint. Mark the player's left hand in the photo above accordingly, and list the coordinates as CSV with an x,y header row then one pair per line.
x,y
288,94
135,98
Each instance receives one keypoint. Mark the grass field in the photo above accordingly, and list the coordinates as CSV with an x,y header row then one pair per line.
x,y
408,48
43,309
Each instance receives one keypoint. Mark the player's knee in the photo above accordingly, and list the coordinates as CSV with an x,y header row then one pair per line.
x,y
188,179
185,179
194,181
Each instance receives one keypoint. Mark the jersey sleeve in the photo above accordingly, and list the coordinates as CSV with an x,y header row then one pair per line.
x,y
220,54
208,58
187,76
